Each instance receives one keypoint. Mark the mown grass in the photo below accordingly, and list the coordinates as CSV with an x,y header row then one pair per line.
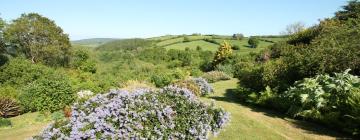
x,y
250,123
24,126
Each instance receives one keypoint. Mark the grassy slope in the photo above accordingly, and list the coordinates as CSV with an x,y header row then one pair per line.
x,y
243,44
253,123
92,42
24,126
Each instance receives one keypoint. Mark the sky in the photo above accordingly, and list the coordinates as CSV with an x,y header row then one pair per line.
x,y
83,19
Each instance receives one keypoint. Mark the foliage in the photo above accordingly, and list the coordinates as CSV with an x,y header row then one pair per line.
x,y
172,113
40,39
5,122
9,108
81,60
214,76
190,85
226,68
57,116
223,53
47,94
294,28
351,10
238,36
253,42
204,86
125,44
162,79
330,100
7,91
19,72
235,47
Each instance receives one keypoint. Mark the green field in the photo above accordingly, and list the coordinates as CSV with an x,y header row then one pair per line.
x,y
243,44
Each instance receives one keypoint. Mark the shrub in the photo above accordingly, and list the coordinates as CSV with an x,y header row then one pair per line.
x,y
5,122
330,100
205,87
235,47
171,113
84,94
9,108
8,92
190,85
223,53
47,94
226,68
161,80
214,76
253,42
19,72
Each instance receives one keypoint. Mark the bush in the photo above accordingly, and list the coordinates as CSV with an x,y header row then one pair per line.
x,y
198,86
19,72
5,122
226,68
205,87
214,76
161,80
9,108
47,94
171,113
253,42
330,100
235,47
190,85
9,92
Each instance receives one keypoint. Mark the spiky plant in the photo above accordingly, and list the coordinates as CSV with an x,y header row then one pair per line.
x,y
8,108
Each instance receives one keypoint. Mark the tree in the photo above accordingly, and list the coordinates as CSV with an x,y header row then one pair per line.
x,y
352,10
253,42
222,53
238,36
3,57
294,28
39,39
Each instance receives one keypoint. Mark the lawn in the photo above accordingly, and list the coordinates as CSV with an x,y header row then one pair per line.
x,y
24,127
255,124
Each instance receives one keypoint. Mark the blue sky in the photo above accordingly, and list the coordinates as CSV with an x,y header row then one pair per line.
x,y
147,18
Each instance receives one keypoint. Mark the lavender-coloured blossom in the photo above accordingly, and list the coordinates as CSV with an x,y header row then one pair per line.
x,y
205,87
140,114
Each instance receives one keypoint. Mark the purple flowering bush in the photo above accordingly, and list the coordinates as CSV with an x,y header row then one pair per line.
x,y
205,87
169,113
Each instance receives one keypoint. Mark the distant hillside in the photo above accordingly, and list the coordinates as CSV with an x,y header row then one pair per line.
x,y
93,42
125,44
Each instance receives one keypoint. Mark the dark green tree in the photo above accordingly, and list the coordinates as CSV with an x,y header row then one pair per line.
x,y
352,10
238,36
253,42
39,39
